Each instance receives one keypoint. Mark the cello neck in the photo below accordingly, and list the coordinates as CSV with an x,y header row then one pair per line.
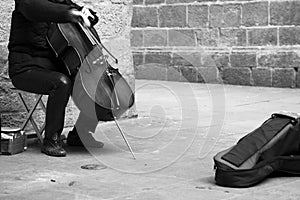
x,y
94,41
89,35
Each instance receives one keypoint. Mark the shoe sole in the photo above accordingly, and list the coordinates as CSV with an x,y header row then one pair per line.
x,y
82,145
54,155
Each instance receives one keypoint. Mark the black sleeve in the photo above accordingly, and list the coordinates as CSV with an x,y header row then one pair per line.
x,y
45,11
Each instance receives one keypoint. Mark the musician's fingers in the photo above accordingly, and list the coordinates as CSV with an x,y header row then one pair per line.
x,y
78,16
86,21
87,12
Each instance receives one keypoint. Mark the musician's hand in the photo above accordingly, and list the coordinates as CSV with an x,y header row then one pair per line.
x,y
95,20
91,15
87,12
79,16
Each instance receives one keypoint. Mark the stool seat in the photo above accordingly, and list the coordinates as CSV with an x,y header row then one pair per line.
x,y
30,111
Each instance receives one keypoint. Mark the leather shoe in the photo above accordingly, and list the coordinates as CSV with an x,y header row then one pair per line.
x,y
52,147
87,140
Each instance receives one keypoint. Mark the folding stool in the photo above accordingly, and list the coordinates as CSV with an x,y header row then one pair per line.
x,y
29,117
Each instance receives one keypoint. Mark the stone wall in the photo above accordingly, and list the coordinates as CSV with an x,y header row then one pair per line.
x,y
244,42
114,30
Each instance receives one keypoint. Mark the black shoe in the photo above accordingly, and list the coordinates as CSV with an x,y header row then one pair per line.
x,y
87,140
52,147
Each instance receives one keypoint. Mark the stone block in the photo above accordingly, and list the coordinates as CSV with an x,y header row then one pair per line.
x,y
284,13
138,58
9,99
201,59
226,15
188,74
262,37
6,8
207,37
3,54
163,58
279,59
173,73
232,37
243,59
219,60
182,38
137,2
197,16
181,1
298,78
114,18
12,119
144,17
284,78
262,77
208,75
151,71
150,2
255,14
4,71
236,76
136,38
172,16
155,67
289,36
187,59
155,38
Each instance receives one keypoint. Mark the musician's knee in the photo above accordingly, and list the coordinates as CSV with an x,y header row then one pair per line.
x,y
65,83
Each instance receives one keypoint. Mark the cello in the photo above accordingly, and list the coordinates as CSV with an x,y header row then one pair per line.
x,y
99,89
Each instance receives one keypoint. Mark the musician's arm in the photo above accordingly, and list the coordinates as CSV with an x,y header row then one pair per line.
x,y
46,11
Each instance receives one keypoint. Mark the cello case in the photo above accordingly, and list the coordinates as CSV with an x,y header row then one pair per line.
x,y
271,148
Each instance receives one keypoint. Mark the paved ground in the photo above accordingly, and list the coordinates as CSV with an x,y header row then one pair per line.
x,y
180,127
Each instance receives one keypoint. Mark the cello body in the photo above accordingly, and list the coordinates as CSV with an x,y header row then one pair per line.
x,y
99,89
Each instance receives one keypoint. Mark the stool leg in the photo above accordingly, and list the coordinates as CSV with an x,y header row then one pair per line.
x,y
29,116
44,109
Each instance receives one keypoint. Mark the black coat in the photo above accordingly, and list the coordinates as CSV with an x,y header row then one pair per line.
x,y
28,45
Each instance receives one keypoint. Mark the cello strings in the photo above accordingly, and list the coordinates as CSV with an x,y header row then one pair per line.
x,y
94,40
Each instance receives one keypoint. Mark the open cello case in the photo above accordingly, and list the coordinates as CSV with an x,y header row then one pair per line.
x,y
274,147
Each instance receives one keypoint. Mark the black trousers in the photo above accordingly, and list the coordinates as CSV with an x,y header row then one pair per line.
x,y
58,87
